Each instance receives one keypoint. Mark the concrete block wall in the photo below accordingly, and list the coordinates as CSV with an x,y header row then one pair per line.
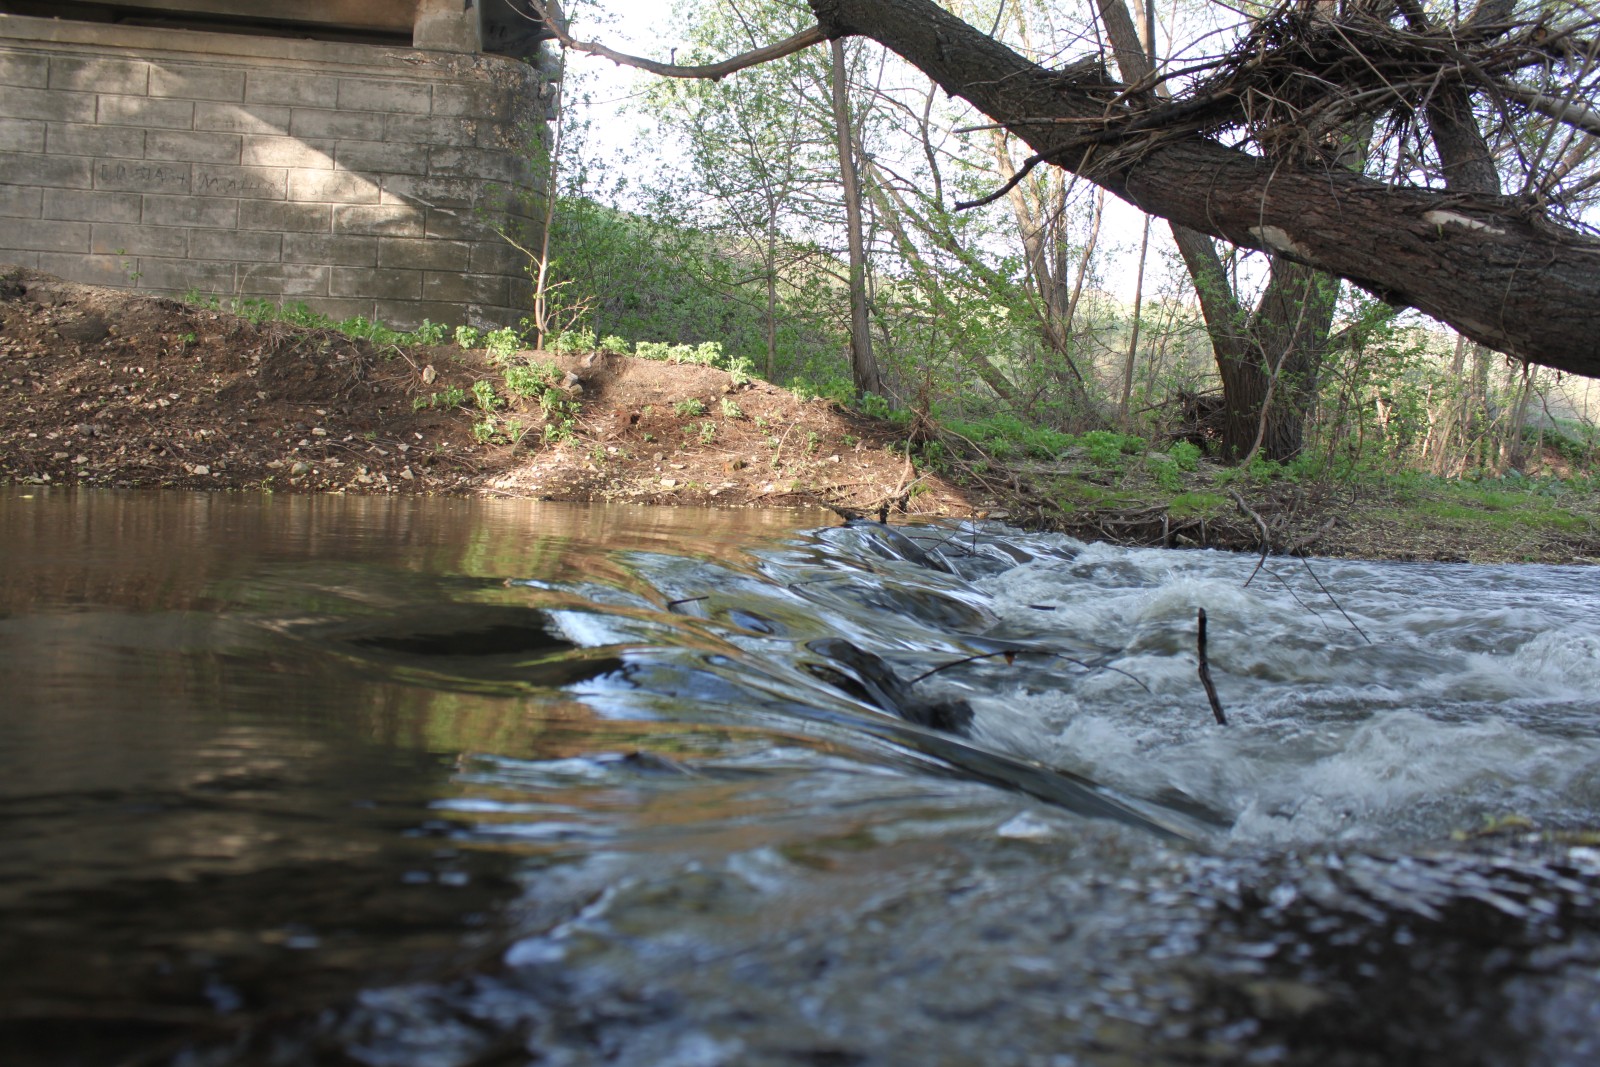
x,y
357,179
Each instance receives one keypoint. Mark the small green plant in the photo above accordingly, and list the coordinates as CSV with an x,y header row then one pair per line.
x,y
1185,455
708,432
689,408
874,406
812,441
484,430
1106,447
483,392
453,397
502,343
429,333
558,430
730,410
514,431
617,346
572,341
530,379
468,336
761,422
839,390
740,369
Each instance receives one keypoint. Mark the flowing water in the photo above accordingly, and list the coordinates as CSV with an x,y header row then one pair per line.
x,y
414,782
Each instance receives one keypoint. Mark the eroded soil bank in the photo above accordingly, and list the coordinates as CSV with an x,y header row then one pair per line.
x,y
109,389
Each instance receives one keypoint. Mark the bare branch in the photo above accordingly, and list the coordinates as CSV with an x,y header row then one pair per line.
x,y
708,71
1556,108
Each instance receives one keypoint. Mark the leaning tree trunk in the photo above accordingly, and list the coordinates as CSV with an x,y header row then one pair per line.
x,y
1515,282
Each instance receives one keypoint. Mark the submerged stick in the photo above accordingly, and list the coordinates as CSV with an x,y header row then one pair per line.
x,y
1205,673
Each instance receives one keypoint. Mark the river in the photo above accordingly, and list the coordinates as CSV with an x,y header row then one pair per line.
x,y
438,783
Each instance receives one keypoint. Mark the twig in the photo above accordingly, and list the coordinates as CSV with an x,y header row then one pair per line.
x,y
1266,536
1336,603
1205,671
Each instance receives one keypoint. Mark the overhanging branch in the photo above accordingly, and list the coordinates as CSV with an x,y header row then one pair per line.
x,y
706,71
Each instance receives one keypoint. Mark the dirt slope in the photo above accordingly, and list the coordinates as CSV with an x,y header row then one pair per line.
x,y
100,387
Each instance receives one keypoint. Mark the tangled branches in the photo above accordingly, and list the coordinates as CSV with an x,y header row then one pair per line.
x,y
1302,82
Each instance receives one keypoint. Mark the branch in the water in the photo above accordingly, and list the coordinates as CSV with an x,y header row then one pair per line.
x,y
1266,537
1205,672
711,71
1335,600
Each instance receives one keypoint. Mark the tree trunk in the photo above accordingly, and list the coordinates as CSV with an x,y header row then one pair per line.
x,y
1517,283
863,367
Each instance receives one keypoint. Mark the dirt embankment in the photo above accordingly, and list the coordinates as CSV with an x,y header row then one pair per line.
x,y
111,389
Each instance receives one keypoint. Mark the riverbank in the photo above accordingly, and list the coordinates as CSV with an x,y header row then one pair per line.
x,y
101,388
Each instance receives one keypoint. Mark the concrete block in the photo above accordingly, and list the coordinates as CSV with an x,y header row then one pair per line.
x,y
465,288
431,129
495,317
329,186
345,251
143,111
423,254
264,151
29,69
100,74
468,101
284,279
379,284
196,82
86,206
21,201
388,220
208,211
143,176
39,235
241,118
45,104
254,183
63,172
518,139
206,146
72,139
372,157
296,88
22,135
476,163
181,275
247,246
455,224
30,260
339,125
285,217
114,239
90,270
497,257
338,308
370,94
408,314
430,192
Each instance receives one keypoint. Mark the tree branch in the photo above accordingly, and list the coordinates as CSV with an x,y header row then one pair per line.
x,y
709,71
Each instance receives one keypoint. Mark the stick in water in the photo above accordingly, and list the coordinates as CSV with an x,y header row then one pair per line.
x,y
1205,674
